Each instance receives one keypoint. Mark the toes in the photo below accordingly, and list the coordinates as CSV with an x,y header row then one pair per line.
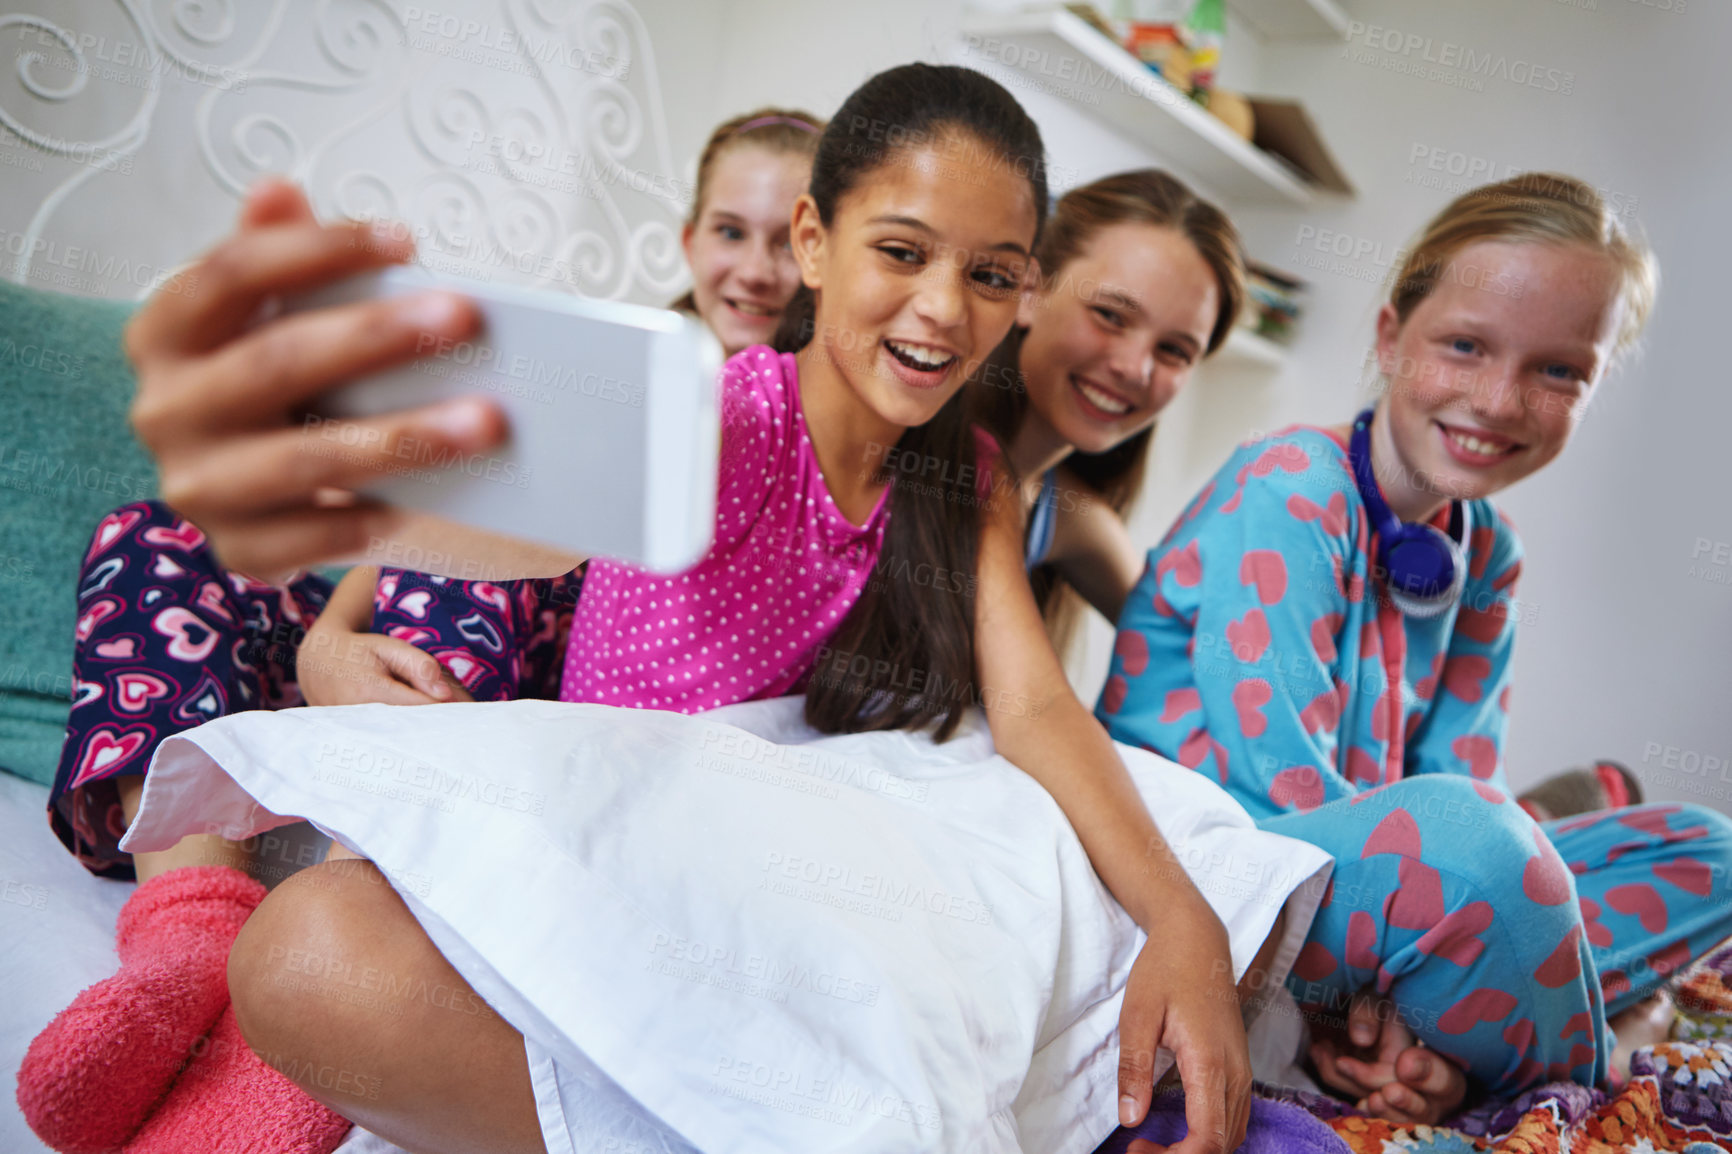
x,y
1399,1097
1389,1103
1430,1073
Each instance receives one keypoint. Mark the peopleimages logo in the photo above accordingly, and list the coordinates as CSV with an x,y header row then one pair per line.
x,y
1450,62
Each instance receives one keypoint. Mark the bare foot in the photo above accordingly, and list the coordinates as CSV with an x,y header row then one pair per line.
x,y
1428,1088
1387,1070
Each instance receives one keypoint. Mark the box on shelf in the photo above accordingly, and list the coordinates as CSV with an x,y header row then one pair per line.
x,y
1284,130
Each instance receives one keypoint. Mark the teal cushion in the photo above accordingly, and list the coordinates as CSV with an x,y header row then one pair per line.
x,y
67,456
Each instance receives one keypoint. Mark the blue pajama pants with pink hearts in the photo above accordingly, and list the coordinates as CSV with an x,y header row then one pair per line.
x,y
1503,943
166,639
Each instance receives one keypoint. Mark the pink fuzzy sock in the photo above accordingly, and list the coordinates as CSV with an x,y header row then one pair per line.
x,y
229,1102
92,1077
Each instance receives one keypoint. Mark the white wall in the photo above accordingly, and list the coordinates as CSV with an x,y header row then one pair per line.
x,y
1627,652
1627,655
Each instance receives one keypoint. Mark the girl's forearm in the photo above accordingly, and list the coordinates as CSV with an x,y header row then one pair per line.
x,y
1065,749
351,603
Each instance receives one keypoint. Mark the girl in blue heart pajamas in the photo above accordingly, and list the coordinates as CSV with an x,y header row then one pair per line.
x,y
1260,647
1256,649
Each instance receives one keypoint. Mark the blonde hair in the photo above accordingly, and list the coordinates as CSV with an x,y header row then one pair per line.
x,y
1544,207
780,130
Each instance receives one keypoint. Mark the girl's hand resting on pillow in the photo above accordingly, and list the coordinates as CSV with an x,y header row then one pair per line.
x,y
1181,997
337,666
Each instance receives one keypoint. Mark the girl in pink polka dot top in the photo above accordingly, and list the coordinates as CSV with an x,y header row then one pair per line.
x,y
861,554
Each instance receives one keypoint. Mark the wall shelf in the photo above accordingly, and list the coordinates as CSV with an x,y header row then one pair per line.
x,y
1057,52
1293,19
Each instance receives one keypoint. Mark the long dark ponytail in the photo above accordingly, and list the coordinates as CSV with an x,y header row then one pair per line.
x,y
904,655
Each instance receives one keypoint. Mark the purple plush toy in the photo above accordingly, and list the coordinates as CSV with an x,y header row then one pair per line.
x,y
1275,1128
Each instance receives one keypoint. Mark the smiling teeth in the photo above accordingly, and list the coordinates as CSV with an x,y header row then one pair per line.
x,y
1474,445
918,357
1103,401
750,309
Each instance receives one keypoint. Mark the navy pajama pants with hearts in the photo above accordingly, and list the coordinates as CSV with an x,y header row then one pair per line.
x,y
166,639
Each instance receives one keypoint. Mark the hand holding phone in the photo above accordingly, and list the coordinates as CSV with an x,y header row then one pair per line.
x,y
614,431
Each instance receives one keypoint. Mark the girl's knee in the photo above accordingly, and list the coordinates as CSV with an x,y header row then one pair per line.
x,y
1476,827
1717,841
1712,847
296,951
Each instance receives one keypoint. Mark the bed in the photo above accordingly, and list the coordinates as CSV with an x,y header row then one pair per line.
x,y
56,937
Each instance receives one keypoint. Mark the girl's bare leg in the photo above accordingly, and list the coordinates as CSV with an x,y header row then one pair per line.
x,y
335,984
1254,987
197,850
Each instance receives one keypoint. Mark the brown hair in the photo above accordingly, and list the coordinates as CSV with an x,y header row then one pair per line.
x,y
780,130
1143,196
1543,207
903,657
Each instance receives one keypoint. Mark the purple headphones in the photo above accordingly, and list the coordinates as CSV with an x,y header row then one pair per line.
x,y
1424,568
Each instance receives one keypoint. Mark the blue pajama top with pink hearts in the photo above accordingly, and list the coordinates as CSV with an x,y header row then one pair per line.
x,y
1256,648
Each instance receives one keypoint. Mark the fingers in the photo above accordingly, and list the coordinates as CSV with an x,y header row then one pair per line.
x,y
1209,1115
382,690
217,297
1136,1068
1425,1072
246,475
338,668
1363,1025
274,200
415,667
1420,1070
1369,1075
1396,1037
1328,1062
1395,1103
1429,1088
266,374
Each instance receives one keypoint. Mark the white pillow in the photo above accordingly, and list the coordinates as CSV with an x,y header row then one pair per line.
x,y
770,939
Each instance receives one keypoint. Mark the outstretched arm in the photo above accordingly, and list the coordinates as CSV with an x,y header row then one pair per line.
x,y
1180,995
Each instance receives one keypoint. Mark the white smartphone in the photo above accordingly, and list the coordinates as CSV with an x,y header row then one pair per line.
x,y
612,410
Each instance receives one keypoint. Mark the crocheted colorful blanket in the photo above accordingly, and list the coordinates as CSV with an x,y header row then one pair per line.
x,y
1678,1101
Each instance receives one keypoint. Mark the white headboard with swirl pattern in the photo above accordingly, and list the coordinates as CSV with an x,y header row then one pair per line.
x,y
524,140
